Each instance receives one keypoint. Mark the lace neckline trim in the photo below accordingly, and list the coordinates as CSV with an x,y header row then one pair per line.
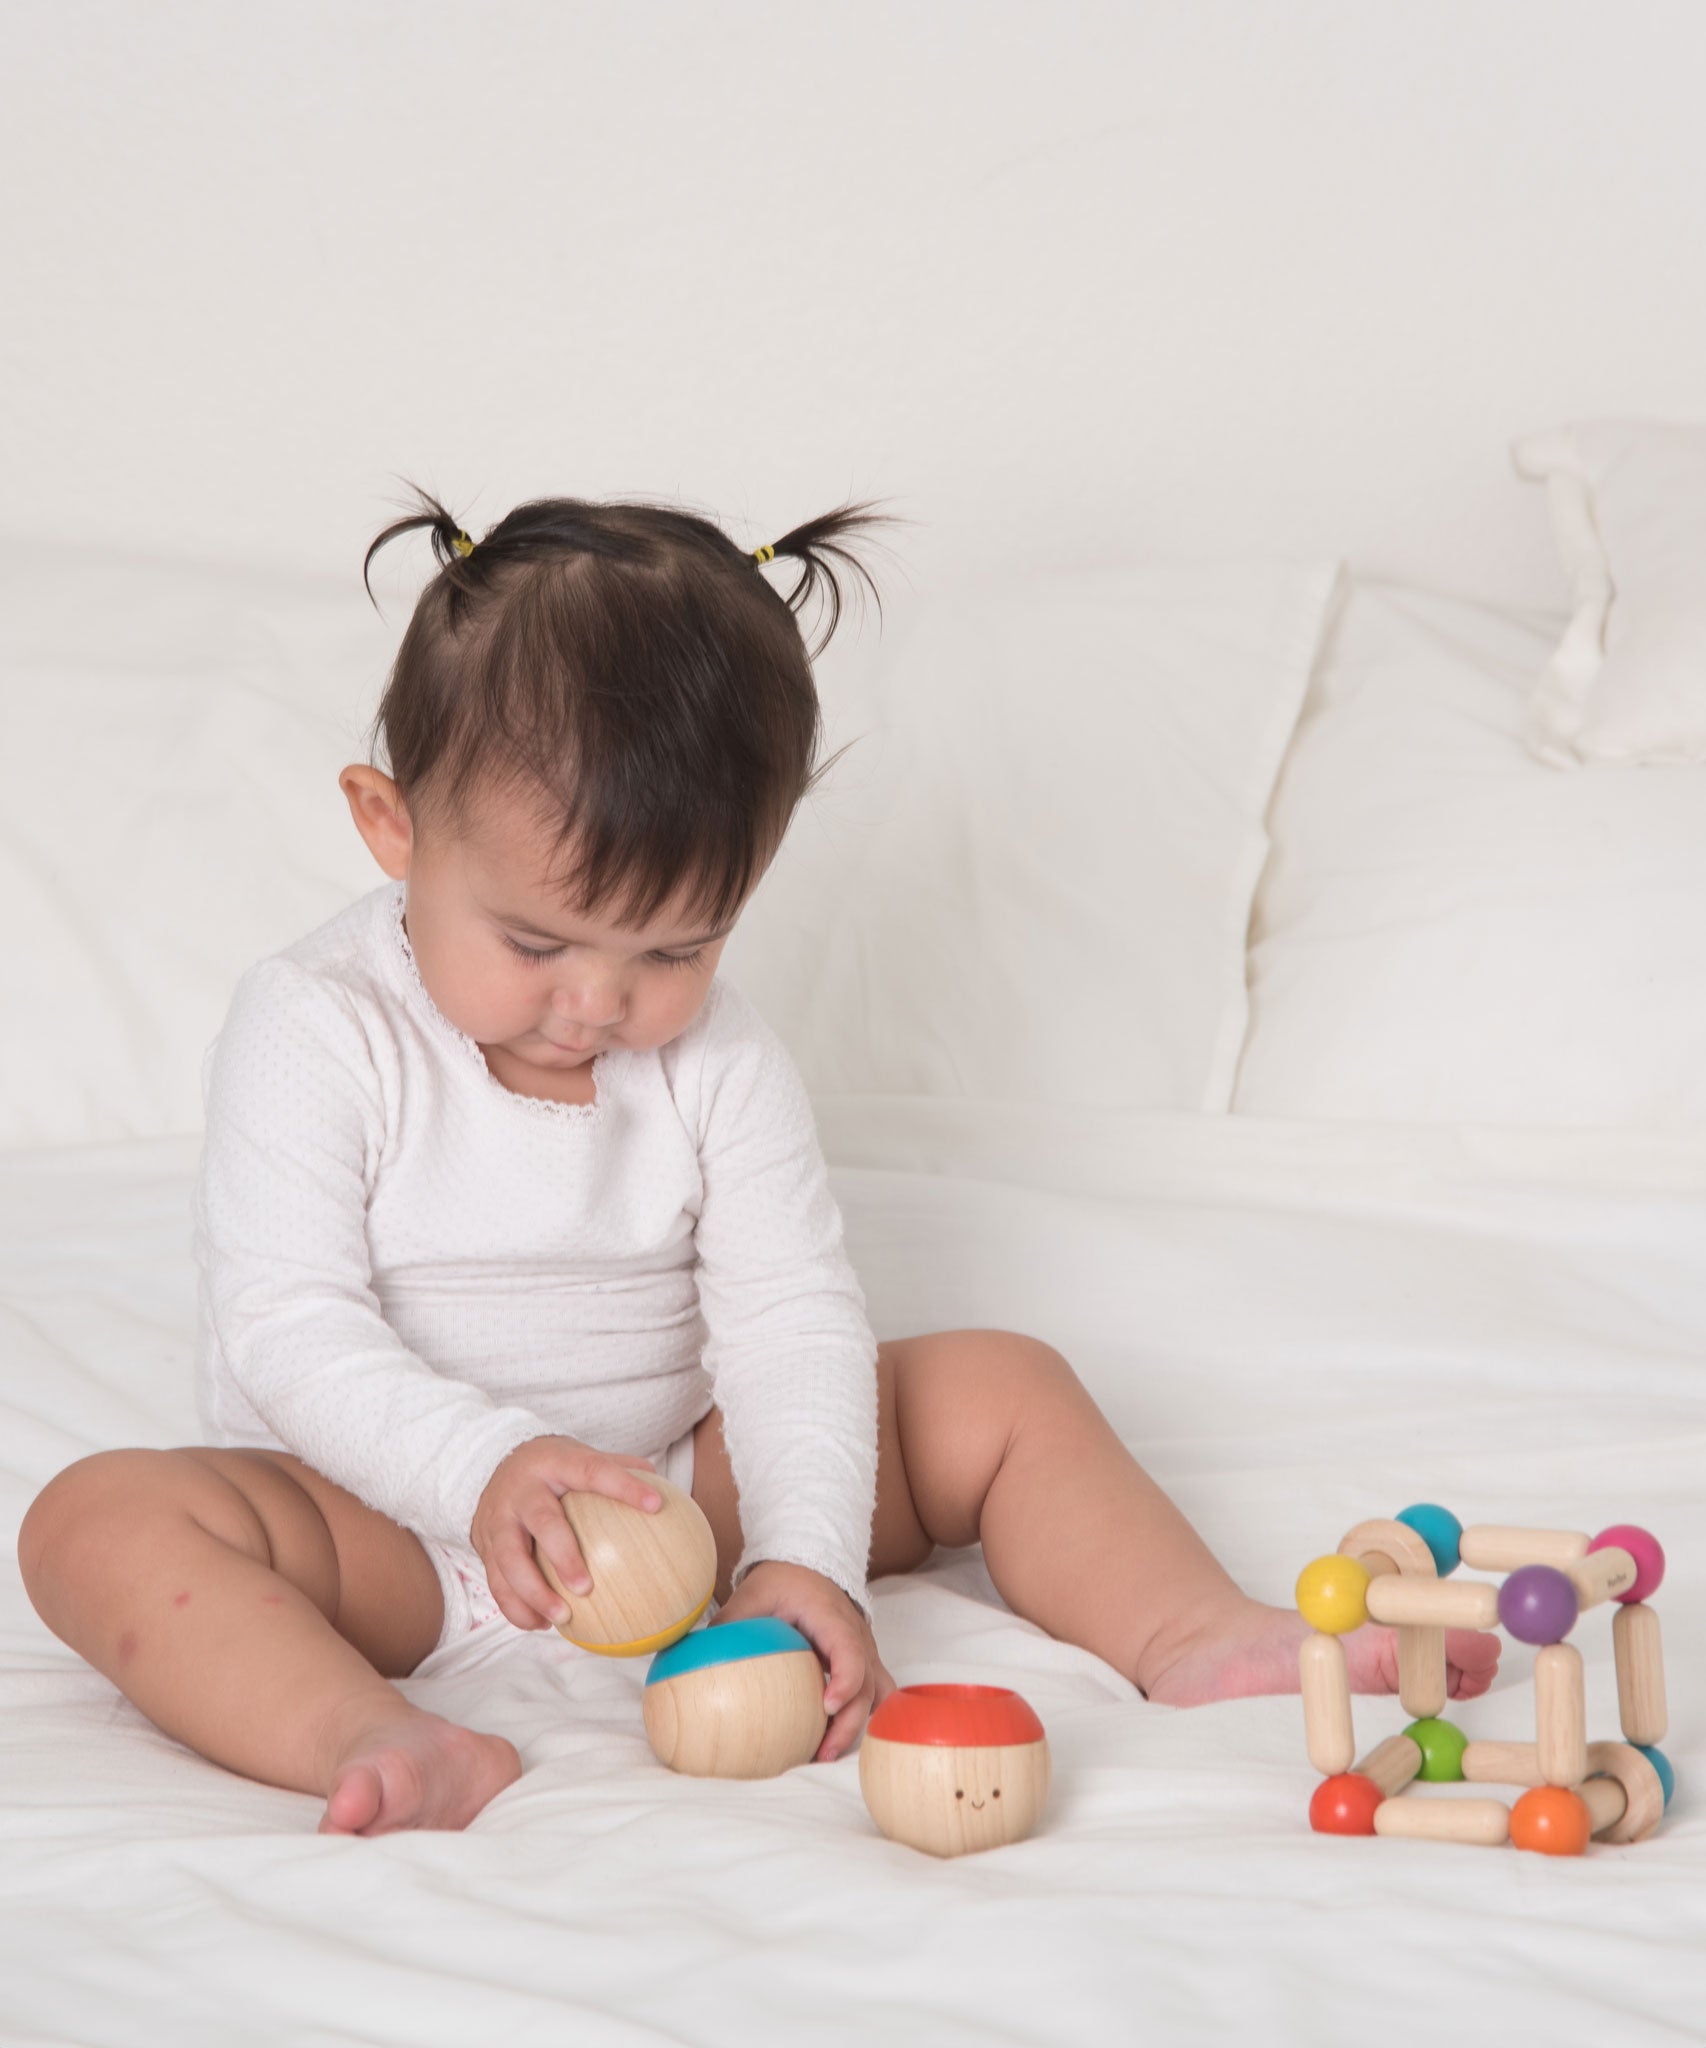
x,y
533,1105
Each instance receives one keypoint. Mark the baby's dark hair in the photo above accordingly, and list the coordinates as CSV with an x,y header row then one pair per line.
x,y
627,671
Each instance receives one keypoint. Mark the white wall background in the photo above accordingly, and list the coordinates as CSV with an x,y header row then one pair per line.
x,y
1059,281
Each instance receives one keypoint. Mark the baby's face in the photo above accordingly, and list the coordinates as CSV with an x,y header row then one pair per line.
x,y
539,988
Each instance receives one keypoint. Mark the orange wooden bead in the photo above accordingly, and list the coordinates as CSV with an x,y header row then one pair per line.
x,y
1551,1819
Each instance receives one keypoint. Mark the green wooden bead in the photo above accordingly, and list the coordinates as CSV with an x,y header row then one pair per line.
x,y
1442,1748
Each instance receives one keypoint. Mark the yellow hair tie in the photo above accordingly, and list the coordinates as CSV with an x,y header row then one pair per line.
x,y
462,544
763,555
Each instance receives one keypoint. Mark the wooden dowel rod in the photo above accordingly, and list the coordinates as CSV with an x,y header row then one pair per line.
x,y
1391,1764
1560,1714
1421,1671
1490,1547
1640,1673
1438,1602
1326,1690
1486,1822
1607,1802
1602,1574
1502,1763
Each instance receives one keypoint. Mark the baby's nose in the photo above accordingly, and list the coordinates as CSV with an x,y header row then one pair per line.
x,y
588,1009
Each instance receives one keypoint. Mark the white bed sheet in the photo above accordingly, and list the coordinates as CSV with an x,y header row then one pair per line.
x,y
1294,1327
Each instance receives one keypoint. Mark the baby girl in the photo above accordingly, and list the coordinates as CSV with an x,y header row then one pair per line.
x,y
506,1194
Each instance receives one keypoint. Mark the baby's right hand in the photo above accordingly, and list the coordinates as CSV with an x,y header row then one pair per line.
x,y
522,1506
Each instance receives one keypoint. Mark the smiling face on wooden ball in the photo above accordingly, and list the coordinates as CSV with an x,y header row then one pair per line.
x,y
954,1768
653,1571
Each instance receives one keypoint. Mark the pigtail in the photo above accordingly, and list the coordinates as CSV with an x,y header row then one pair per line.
x,y
632,666
450,543
813,544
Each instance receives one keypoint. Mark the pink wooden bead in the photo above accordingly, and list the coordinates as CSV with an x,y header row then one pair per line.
x,y
1644,1548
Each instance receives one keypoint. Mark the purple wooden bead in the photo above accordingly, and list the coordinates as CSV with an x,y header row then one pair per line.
x,y
1538,1604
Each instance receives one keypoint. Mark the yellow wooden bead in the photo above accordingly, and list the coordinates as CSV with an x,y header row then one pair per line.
x,y
1332,1594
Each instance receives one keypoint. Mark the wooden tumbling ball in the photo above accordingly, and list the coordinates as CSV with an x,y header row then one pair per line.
x,y
741,1699
953,1768
653,1571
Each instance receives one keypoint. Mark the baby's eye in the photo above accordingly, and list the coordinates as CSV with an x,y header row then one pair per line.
x,y
533,958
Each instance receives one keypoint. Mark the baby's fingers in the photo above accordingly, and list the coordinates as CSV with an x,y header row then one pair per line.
x,y
551,1521
517,1585
848,1695
616,1482
522,1556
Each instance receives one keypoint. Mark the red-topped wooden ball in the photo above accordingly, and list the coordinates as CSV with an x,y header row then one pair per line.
x,y
951,1768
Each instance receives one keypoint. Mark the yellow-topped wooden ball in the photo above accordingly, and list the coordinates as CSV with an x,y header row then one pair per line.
x,y
653,1571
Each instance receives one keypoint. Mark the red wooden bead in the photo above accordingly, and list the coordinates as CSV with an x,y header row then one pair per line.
x,y
1345,1805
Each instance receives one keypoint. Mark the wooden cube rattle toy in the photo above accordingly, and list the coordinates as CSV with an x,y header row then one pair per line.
x,y
741,1699
952,1768
1579,1791
653,1571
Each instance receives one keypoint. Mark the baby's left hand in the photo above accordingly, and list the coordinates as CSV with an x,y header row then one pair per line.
x,y
835,1628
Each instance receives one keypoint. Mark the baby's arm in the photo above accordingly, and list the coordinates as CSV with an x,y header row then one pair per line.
x,y
790,1353
294,1118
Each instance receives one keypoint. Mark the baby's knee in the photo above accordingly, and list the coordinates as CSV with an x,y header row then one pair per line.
x,y
98,1503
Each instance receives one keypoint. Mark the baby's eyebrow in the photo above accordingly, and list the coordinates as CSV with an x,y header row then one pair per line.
x,y
535,931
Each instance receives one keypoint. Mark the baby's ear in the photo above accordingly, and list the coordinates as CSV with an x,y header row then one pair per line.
x,y
381,816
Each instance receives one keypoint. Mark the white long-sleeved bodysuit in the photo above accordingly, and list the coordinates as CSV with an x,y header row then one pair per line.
x,y
406,1269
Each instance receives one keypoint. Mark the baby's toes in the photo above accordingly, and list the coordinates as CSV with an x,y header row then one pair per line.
x,y
1371,1655
1472,1657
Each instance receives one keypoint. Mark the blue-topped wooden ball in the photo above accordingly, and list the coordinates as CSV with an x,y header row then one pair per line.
x,y
740,1699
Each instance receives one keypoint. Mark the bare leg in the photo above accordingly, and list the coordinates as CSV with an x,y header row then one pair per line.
x,y
205,1585
1003,1445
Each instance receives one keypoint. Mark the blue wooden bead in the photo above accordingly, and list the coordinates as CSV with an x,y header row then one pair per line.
x,y
1660,1763
1439,1529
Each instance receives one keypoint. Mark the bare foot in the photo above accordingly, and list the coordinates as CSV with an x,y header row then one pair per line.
x,y
415,1771
1253,1649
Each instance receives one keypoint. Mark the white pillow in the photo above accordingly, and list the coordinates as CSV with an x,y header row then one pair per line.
x,y
1627,683
173,736
1449,931
1031,878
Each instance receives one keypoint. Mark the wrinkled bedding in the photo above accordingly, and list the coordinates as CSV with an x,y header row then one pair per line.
x,y
1293,1326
